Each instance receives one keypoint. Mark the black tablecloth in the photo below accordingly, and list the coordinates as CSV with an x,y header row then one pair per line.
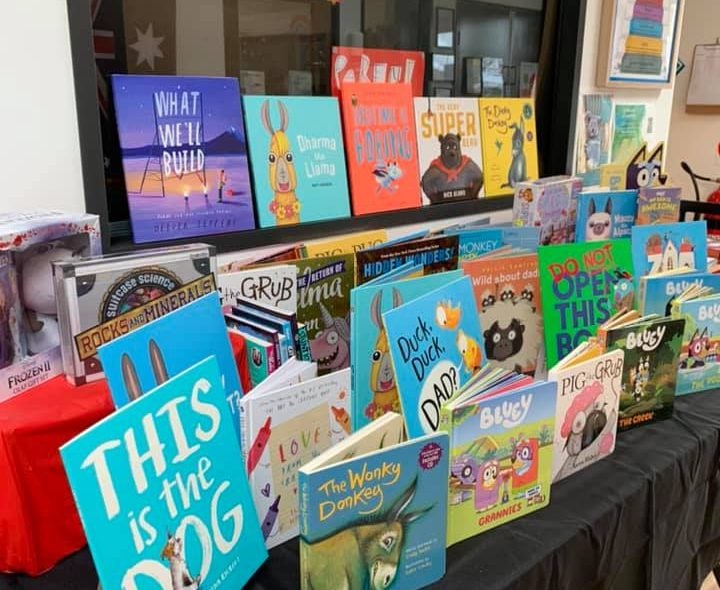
x,y
647,517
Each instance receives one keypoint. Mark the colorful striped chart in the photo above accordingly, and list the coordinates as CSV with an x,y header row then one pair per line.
x,y
644,45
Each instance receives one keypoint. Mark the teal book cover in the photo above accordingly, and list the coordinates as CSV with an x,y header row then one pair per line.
x,y
699,368
162,493
145,358
374,388
378,520
605,215
660,248
297,159
657,293
436,346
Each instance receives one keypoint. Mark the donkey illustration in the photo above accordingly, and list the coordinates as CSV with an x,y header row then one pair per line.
x,y
365,555
179,575
382,377
281,168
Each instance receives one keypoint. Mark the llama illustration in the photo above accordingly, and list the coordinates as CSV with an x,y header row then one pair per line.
x,y
179,575
365,555
285,206
382,377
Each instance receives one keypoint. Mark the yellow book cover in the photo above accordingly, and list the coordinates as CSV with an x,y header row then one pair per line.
x,y
509,143
348,244
644,45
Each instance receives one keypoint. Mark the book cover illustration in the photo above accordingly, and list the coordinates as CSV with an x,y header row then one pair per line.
x,y
594,140
143,359
699,367
450,154
436,346
285,429
189,521
658,205
509,143
650,372
507,295
184,156
436,255
324,286
272,285
297,159
377,520
374,387
360,64
582,285
501,459
345,244
605,215
381,144
660,248
588,400
657,293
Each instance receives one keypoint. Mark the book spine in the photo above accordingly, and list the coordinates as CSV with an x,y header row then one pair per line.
x,y
304,343
272,357
303,525
641,294
445,424
244,430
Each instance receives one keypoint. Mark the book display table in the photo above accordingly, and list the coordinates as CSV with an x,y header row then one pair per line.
x,y
647,517
38,521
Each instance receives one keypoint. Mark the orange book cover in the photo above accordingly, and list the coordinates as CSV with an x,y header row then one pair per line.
x,y
381,145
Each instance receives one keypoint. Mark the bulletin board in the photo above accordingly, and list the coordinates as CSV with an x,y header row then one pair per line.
x,y
704,87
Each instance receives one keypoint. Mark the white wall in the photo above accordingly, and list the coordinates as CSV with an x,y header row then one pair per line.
x,y
658,102
39,154
694,137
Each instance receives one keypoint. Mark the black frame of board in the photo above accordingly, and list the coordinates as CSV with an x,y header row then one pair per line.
x,y
91,152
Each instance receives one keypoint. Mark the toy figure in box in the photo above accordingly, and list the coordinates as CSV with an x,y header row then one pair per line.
x,y
29,337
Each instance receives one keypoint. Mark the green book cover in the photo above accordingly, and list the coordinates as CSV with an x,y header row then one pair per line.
x,y
324,286
581,286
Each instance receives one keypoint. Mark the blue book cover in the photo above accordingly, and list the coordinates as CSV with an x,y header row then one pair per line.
x,y
143,359
162,493
522,237
659,248
374,389
699,368
378,520
657,293
184,156
476,242
605,215
436,345
297,158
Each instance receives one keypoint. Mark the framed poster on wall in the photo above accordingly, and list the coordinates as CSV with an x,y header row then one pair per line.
x,y
639,43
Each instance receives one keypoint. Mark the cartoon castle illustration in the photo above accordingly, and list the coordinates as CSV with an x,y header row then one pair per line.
x,y
667,257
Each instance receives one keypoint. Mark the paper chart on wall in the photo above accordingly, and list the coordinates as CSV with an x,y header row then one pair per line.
x,y
704,89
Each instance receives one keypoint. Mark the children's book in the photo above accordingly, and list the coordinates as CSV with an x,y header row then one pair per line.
x,y
324,286
477,242
436,346
550,205
261,357
657,292
661,248
282,430
147,357
501,457
374,387
450,153
605,215
297,159
184,155
699,367
509,143
379,124
291,373
650,372
582,285
128,473
272,285
507,295
435,254
658,205
345,244
376,520
588,400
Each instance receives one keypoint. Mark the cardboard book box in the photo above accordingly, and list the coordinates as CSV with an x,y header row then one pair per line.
x,y
29,333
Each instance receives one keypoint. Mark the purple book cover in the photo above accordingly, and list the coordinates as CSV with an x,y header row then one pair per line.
x,y
184,155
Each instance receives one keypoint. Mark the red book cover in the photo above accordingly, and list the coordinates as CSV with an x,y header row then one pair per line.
x,y
381,145
357,64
